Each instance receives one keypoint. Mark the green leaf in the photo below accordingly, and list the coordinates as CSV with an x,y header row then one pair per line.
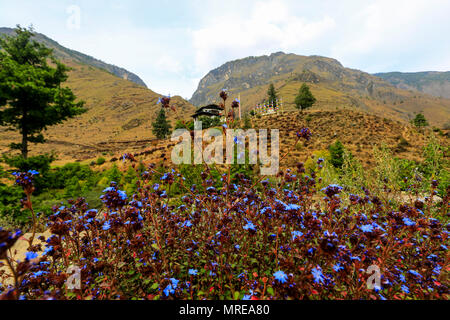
x,y
154,286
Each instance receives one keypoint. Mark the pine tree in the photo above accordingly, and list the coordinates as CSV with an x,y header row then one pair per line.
x,y
420,121
161,127
31,95
337,154
272,95
304,99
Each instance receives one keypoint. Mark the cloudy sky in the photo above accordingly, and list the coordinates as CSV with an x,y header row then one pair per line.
x,y
172,44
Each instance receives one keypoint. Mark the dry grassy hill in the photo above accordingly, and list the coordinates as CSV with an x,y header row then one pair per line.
x,y
360,132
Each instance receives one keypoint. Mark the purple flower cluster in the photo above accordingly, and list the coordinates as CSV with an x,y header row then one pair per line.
x,y
305,133
25,180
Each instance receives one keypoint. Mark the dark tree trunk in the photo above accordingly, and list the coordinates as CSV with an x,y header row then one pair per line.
x,y
24,135
24,146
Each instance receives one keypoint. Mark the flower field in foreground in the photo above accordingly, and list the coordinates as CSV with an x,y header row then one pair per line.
x,y
235,239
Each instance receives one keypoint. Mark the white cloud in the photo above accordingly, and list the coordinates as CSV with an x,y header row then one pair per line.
x,y
392,34
169,64
268,27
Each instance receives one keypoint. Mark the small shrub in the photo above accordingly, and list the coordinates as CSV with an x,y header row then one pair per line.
x,y
337,154
100,161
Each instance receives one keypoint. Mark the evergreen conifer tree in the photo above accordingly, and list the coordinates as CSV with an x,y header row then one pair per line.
x,y
304,99
161,127
31,95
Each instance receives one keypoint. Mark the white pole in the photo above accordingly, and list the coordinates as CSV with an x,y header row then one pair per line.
x,y
239,106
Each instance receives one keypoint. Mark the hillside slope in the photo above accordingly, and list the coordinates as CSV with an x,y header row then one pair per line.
x,y
431,82
333,85
66,54
359,131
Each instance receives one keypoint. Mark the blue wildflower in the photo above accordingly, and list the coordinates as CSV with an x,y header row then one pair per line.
x,y
318,275
193,272
280,276
122,194
106,225
48,250
415,273
31,255
437,270
39,274
187,223
296,234
405,289
292,207
168,290
250,226
337,267
408,222
174,282
367,228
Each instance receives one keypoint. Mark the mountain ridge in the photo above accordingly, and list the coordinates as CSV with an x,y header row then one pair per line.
x,y
64,53
435,83
332,83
